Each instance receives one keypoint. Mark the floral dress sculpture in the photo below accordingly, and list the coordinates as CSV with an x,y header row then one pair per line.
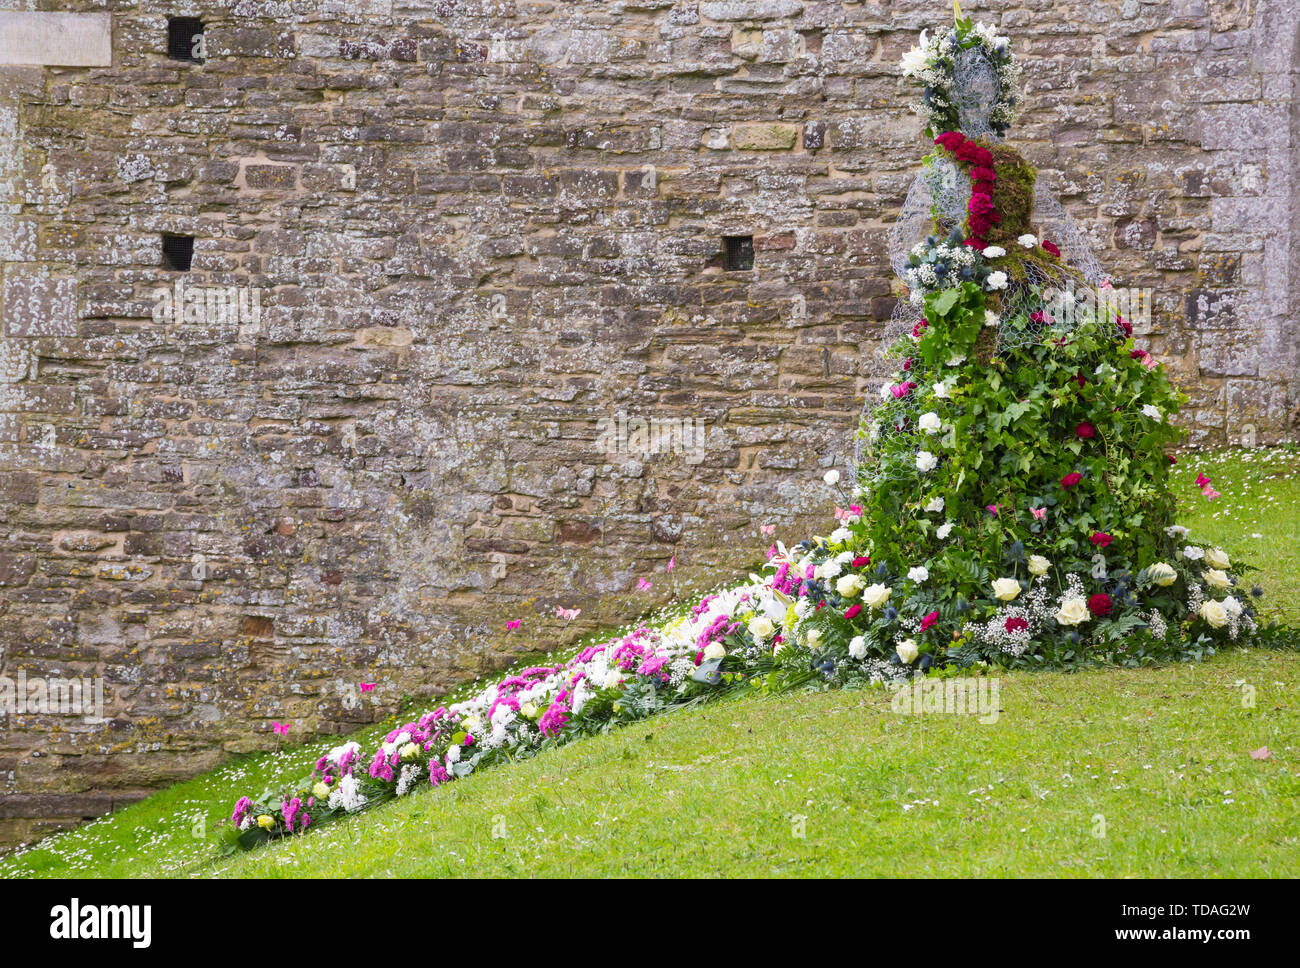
x,y
1010,505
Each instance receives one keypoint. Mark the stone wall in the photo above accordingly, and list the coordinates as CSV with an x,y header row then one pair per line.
x,y
474,228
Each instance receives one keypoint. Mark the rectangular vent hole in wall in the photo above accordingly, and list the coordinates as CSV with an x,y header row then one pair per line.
x,y
185,39
178,252
740,252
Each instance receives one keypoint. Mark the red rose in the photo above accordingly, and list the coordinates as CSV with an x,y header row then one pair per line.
x,y
1101,539
983,157
1085,431
1017,624
1099,605
852,611
1051,247
950,140
967,151
1069,480
861,561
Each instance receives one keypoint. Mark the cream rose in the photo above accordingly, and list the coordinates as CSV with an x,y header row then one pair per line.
x,y
1214,613
813,637
1215,558
1162,574
1038,565
1073,611
907,651
715,650
849,585
1216,578
1005,589
761,628
876,595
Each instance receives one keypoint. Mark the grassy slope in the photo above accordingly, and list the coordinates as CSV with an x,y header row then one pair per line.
x,y
1162,755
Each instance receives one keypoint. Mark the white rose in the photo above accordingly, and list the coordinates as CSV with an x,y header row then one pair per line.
x,y
1162,574
994,252
1038,565
1073,611
828,569
831,477
997,280
1028,240
1215,558
926,461
1005,589
934,504
1214,613
876,595
907,651
930,422
714,650
918,574
761,628
849,585
1216,578
945,529
858,647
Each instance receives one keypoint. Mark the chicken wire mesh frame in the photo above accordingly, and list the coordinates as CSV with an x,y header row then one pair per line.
x,y
936,203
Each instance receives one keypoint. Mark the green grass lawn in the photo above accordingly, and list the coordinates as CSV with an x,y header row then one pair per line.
x,y
1107,772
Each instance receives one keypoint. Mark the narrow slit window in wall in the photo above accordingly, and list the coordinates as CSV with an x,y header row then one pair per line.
x,y
178,252
740,252
185,39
